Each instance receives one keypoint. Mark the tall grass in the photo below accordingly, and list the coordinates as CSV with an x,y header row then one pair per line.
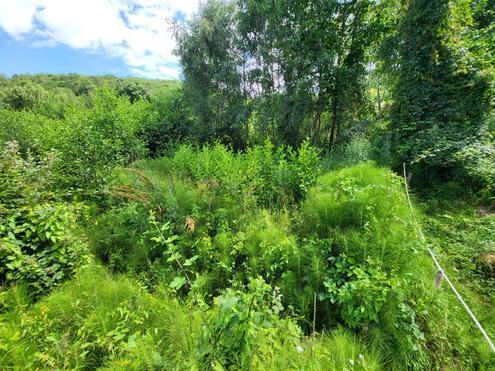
x,y
95,319
362,210
110,322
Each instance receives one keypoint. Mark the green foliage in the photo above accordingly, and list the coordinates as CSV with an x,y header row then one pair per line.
x,y
234,324
92,130
346,154
98,139
97,320
443,96
337,350
363,210
37,246
256,70
346,255
35,133
360,291
166,240
169,121
268,246
337,254
80,85
244,330
467,238
207,199
273,176
250,258
118,238
211,57
26,95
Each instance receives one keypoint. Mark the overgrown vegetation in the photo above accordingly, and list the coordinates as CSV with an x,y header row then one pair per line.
x,y
38,237
250,216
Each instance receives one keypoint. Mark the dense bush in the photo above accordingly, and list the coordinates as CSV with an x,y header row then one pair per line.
x,y
34,133
26,95
273,176
213,188
98,139
38,245
91,134
443,96
168,122
89,141
255,268
363,210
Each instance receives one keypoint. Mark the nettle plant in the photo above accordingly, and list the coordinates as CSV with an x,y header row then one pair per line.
x,y
36,244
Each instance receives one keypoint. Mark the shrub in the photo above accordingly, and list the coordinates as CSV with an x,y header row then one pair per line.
x,y
26,95
274,177
98,139
36,243
233,324
217,191
267,247
359,291
117,238
35,134
168,121
244,330
346,255
109,322
357,150
90,141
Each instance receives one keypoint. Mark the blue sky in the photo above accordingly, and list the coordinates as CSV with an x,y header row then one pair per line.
x,y
21,57
118,37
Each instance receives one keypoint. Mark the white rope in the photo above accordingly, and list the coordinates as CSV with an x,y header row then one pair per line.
x,y
442,272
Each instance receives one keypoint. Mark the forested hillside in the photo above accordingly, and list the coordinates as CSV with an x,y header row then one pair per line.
x,y
254,215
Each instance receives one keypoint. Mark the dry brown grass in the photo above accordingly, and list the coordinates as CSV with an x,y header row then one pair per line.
x,y
190,225
131,194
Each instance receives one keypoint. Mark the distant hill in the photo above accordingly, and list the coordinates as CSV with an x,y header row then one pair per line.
x,y
134,87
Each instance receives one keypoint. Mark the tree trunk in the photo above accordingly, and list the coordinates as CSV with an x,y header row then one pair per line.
x,y
335,121
315,128
378,92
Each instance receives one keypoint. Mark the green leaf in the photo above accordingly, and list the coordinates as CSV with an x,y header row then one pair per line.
x,y
191,260
177,283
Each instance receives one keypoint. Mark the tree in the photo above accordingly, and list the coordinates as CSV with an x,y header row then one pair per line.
x,y
211,58
442,96
168,121
291,69
25,95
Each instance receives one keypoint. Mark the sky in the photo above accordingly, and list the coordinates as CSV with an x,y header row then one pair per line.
x,y
92,37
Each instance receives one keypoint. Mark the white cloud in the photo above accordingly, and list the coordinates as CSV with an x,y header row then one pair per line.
x,y
16,17
134,30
